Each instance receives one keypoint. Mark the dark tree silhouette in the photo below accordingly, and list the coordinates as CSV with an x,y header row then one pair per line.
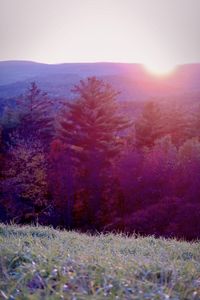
x,y
34,114
149,127
61,183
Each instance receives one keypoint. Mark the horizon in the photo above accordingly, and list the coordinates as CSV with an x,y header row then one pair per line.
x,y
152,72
89,62
157,34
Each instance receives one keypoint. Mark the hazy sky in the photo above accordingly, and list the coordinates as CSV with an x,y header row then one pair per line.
x,y
54,31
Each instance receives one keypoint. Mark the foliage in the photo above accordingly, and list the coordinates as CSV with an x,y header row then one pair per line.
x,y
92,123
25,184
148,127
32,115
96,171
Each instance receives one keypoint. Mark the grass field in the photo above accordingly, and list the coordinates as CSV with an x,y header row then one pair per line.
x,y
43,263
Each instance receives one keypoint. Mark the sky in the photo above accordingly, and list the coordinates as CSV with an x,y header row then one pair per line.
x,y
153,32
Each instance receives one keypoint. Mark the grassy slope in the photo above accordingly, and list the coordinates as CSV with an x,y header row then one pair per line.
x,y
42,263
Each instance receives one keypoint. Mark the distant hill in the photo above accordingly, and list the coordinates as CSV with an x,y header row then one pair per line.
x,y
134,82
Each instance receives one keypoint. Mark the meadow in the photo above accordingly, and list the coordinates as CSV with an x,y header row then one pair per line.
x,y
39,263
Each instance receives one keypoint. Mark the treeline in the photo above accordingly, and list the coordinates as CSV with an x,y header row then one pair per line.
x,y
84,164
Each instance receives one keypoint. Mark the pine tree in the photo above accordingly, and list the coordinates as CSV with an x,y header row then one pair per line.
x,y
159,120
92,123
92,128
34,113
148,127
177,124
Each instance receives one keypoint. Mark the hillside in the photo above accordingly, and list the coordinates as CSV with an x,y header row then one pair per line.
x,y
132,80
43,263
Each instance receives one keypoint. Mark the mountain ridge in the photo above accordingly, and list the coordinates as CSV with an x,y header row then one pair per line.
x,y
134,82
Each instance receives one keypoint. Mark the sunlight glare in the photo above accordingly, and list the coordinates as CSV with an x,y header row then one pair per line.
x,y
160,68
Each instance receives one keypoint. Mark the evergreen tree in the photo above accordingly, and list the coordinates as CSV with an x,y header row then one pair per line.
x,y
92,122
148,127
91,126
159,120
177,124
34,113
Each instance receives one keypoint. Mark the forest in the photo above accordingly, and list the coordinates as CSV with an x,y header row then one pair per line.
x,y
87,164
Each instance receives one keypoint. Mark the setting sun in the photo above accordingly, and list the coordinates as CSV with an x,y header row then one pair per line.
x,y
160,68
